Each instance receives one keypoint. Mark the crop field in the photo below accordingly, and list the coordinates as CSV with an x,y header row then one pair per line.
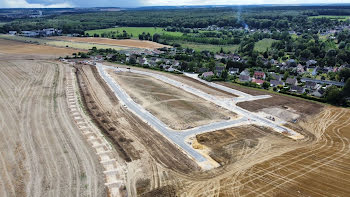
x,y
42,151
18,50
332,17
180,110
62,43
111,42
135,31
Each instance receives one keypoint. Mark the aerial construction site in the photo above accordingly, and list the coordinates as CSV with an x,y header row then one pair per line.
x,y
105,129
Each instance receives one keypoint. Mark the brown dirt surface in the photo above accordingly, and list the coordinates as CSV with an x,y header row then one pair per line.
x,y
10,49
143,139
315,166
301,106
226,145
183,79
257,161
178,109
125,43
318,169
42,151
247,90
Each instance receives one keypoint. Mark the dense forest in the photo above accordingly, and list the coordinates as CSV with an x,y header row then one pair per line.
x,y
282,18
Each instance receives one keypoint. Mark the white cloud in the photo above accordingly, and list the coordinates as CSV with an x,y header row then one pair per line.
x,y
25,4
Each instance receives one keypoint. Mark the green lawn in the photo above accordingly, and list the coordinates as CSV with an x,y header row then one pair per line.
x,y
135,31
209,47
340,18
263,44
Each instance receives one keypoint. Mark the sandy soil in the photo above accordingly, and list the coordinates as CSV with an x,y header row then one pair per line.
x,y
10,50
42,151
176,108
183,79
226,145
126,43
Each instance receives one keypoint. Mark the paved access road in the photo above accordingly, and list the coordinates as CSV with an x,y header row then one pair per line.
x,y
179,137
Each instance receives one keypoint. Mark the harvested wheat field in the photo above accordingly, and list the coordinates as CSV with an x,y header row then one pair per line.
x,y
10,49
42,151
275,166
176,108
107,41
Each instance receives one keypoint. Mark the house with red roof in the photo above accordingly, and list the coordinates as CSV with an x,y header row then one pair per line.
x,y
258,81
259,75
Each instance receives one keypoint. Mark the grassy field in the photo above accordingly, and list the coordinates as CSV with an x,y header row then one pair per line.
x,y
135,31
75,45
263,44
209,47
340,18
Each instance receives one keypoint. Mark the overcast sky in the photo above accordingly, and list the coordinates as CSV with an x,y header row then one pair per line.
x,y
137,3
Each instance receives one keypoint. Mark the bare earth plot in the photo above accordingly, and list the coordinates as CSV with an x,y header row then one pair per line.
x,y
42,151
183,79
125,43
149,156
178,109
256,161
296,105
10,49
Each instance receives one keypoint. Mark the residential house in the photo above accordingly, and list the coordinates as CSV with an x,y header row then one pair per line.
x,y
109,56
258,81
275,83
283,66
297,89
319,92
259,75
244,78
291,63
13,32
292,81
311,85
277,77
207,74
220,56
300,69
218,70
245,73
30,33
236,58
233,71
311,62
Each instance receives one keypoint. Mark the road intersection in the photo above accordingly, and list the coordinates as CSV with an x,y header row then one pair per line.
x,y
180,137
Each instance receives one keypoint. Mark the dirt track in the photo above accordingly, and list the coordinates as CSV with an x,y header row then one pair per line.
x,y
126,43
42,150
